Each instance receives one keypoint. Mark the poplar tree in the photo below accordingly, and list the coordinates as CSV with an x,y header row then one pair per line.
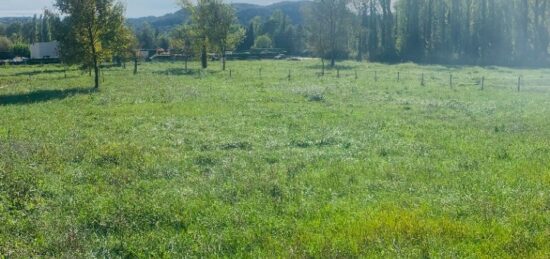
x,y
329,24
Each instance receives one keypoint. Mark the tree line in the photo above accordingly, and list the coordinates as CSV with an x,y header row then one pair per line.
x,y
482,32
16,37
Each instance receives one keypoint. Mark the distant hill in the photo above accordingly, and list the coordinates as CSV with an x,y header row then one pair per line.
x,y
244,12
10,20
161,23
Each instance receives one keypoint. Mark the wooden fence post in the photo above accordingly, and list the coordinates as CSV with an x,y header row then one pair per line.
x,y
289,75
337,73
422,80
375,76
398,76
451,80
482,83
230,73
519,83
356,75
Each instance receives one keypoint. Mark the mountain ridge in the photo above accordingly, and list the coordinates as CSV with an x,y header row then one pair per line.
x,y
244,12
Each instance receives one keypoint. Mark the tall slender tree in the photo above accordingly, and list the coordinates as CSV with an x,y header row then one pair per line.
x,y
249,38
329,21
182,38
223,33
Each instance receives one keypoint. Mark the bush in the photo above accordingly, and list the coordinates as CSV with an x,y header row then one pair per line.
x,y
5,44
263,42
21,50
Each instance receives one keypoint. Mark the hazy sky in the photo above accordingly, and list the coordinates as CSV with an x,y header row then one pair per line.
x,y
135,8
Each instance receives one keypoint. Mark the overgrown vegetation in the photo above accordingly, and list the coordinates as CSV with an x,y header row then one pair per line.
x,y
475,32
173,163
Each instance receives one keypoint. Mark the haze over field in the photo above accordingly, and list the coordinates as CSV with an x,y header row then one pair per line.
x,y
135,8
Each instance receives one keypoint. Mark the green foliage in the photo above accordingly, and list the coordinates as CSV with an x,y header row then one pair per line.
x,y
147,37
214,27
164,42
475,32
5,44
41,28
126,45
173,164
480,32
181,39
244,12
21,50
91,32
248,41
263,42
280,29
329,23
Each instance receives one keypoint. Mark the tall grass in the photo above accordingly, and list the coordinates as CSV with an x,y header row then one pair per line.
x,y
171,163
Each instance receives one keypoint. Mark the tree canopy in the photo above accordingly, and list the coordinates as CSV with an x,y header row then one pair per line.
x,y
91,32
214,26
479,32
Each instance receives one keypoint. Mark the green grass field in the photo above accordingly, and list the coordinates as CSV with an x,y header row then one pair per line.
x,y
171,164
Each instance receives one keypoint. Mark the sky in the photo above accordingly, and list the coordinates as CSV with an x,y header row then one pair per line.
x,y
134,8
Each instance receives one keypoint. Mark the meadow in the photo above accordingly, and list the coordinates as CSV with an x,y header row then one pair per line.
x,y
365,161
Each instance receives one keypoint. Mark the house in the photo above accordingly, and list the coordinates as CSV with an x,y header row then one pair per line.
x,y
45,50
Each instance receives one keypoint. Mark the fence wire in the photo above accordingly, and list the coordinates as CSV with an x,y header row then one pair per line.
x,y
501,80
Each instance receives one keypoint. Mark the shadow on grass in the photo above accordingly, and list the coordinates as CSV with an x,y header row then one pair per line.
x,y
42,96
38,72
183,72
177,72
327,67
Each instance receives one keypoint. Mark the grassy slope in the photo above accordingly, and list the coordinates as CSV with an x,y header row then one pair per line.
x,y
165,163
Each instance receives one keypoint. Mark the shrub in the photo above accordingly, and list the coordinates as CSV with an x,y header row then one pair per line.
x,y
5,44
263,42
21,50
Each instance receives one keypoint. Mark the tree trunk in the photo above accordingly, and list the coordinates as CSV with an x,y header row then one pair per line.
x,y
361,38
94,55
135,65
204,57
186,59
333,42
360,47
96,73
223,59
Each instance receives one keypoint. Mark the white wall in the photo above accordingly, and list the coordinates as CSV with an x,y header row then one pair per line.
x,y
45,49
